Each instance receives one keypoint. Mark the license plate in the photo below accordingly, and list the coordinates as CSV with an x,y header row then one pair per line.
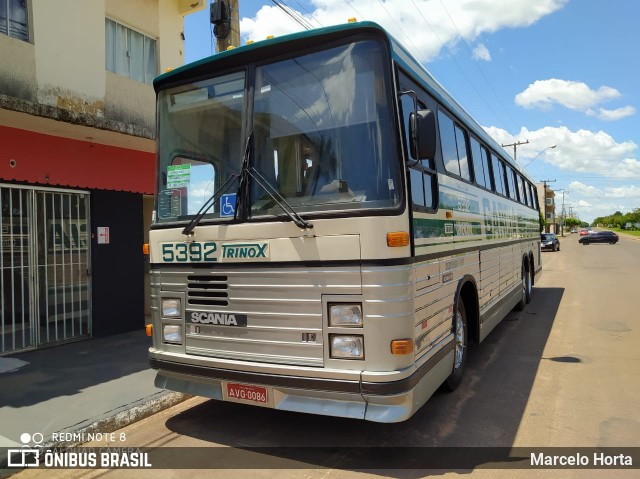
x,y
247,393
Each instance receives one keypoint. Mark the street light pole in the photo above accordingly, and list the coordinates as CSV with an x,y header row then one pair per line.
x,y
547,148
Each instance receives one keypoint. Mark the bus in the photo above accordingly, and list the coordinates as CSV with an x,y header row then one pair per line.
x,y
331,228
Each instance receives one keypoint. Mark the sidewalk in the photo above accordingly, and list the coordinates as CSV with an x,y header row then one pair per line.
x,y
96,385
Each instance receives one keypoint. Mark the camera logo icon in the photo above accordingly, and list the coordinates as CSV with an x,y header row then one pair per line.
x,y
26,456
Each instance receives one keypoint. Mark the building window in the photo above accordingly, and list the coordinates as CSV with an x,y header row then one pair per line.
x,y
14,19
548,201
130,53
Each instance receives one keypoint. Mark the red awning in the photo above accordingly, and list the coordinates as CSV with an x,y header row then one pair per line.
x,y
31,157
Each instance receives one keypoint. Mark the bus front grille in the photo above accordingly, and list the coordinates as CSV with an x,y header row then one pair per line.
x,y
207,290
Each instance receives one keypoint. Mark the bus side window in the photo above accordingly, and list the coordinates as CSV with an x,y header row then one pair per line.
x,y
486,167
421,173
477,157
511,183
523,191
463,157
498,175
453,141
534,196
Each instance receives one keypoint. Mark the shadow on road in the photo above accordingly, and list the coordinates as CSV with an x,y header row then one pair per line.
x,y
483,414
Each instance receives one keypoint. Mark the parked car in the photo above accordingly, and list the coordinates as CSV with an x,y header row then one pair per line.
x,y
549,241
599,237
574,230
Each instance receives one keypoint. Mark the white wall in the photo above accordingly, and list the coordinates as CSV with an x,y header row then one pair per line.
x,y
68,36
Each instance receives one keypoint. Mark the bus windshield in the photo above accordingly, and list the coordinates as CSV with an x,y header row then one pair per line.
x,y
320,124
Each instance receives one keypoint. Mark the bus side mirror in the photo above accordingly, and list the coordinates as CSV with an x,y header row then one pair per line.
x,y
423,134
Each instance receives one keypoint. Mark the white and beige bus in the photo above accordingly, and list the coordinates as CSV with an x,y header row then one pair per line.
x,y
331,228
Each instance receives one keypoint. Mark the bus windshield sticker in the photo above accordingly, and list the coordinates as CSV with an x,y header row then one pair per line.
x,y
169,204
228,205
178,176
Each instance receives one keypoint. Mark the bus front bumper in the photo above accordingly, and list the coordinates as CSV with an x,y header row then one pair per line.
x,y
387,402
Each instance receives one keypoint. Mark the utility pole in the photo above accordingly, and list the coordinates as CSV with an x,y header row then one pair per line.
x,y
515,146
562,217
225,18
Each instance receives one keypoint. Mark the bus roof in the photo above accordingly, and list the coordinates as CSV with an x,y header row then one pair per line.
x,y
399,54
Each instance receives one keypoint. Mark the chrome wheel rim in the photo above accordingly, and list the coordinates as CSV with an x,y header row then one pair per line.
x,y
460,333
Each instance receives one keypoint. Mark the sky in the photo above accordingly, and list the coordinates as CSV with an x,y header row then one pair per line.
x,y
550,72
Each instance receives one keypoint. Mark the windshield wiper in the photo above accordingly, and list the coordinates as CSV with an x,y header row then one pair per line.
x,y
243,191
188,230
243,195
279,199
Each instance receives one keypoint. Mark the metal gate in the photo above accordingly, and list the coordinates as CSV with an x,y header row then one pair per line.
x,y
45,288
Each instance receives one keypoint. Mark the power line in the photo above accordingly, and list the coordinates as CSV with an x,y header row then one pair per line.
x,y
444,44
360,15
293,14
478,66
302,7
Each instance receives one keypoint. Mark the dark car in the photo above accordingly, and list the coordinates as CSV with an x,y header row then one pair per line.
x,y
599,237
549,241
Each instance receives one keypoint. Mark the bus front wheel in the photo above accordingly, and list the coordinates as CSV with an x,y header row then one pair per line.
x,y
460,351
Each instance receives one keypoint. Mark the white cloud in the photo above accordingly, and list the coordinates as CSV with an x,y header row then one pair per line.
x,y
269,20
590,202
480,52
581,151
577,96
573,95
610,192
424,26
612,115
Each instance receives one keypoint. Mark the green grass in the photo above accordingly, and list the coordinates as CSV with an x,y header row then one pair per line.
x,y
625,232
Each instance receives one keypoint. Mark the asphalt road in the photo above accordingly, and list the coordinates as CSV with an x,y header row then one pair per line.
x,y
563,373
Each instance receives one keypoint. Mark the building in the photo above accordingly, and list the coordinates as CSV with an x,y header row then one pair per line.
x,y
77,156
546,200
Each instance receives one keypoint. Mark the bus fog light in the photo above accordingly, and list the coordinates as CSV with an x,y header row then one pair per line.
x,y
171,308
172,333
347,347
345,315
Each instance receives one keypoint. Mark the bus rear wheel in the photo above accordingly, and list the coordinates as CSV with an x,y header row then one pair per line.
x,y
460,351
525,290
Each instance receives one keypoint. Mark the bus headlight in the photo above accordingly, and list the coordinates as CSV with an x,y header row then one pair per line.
x,y
349,315
172,333
171,308
347,347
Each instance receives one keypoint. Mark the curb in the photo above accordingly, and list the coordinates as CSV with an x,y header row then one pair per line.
x,y
125,415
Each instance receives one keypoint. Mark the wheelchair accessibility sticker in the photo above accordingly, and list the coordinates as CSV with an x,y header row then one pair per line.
x,y
228,205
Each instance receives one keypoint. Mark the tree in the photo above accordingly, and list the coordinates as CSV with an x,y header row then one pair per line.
x,y
571,222
619,220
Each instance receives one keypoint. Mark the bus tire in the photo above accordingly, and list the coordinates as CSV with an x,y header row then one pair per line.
x,y
529,274
460,352
525,295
